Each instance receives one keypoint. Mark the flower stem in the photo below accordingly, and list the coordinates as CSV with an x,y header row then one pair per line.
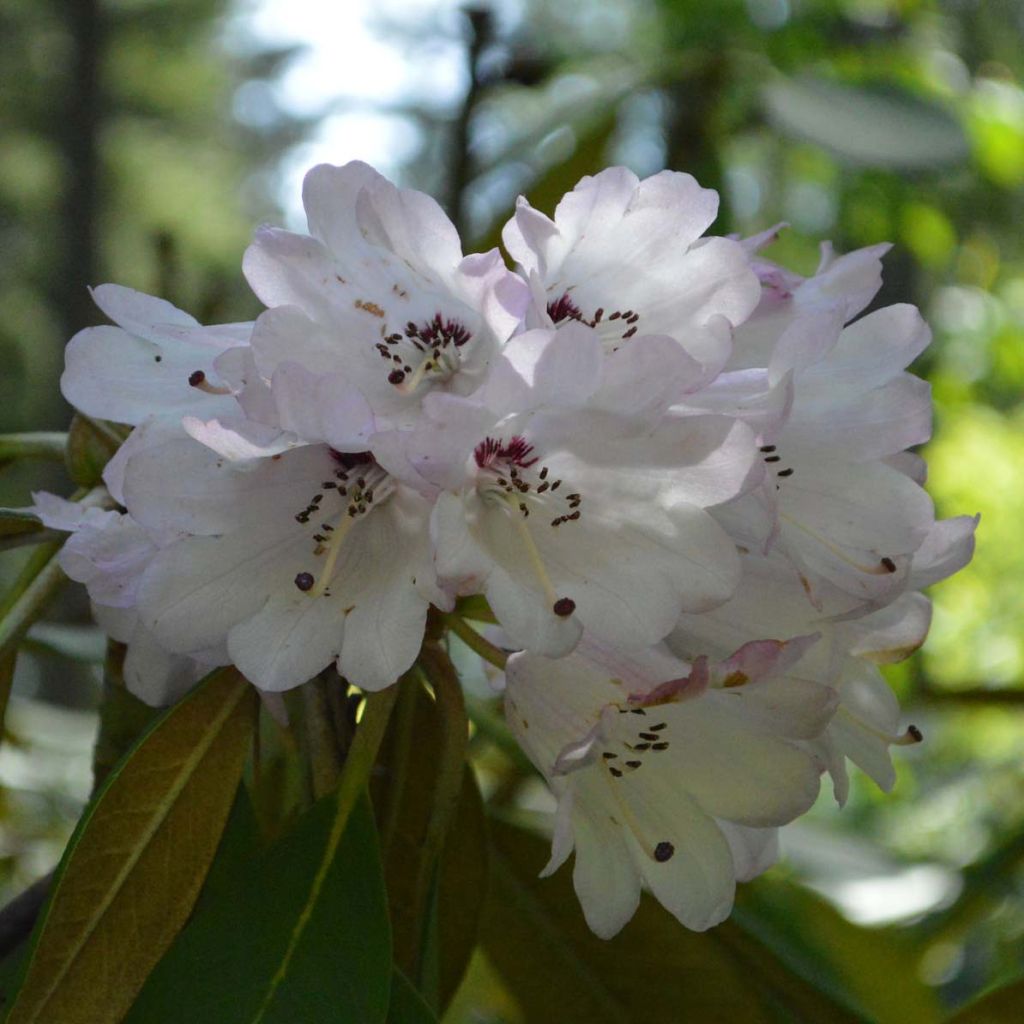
x,y
475,642
40,444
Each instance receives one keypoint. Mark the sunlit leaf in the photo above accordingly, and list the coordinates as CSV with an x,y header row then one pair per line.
x,y
853,961
654,971
235,962
866,126
134,866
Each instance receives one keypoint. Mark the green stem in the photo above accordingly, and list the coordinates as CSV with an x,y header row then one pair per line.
x,y
29,538
475,642
33,599
41,444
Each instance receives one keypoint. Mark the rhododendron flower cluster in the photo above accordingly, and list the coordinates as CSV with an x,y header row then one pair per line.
x,y
677,473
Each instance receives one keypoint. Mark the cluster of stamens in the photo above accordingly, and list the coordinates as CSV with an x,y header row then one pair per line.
x,y
505,479
649,740
358,482
506,463
564,308
437,341
772,459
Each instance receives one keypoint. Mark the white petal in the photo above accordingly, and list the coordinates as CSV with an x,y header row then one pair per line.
x,y
329,196
948,547
238,439
733,765
322,407
754,850
892,633
186,486
289,640
696,884
881,422
195,591
605,876
117,376
155,675
381,581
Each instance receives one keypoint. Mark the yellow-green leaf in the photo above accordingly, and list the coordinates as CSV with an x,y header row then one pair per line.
x,y
135,865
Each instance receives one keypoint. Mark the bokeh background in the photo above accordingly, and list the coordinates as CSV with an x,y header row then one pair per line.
x,y
143,140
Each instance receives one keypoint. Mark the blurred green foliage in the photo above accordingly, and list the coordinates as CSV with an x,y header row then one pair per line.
x,y
858,121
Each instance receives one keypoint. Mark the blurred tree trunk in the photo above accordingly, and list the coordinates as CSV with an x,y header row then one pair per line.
x,y
78,139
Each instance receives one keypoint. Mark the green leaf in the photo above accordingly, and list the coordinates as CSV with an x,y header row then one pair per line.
x,y
235,963
866,126
405,797
407,1006
14,521
653,972
1000,1006
137,860
853,962
462,885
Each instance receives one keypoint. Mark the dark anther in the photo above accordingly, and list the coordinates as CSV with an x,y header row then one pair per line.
x,y
663,852
773,458
785,472
888,564
564,607
396,376
767,447
660,746
915,733
196,377
609,756
649,736
615,771
304,581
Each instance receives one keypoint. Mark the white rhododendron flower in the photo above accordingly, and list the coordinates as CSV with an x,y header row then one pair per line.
x,y
662,771
294,561
379,294
566,506
679,475
626,256
771,601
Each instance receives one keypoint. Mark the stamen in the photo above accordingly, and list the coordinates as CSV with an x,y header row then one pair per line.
x,y
663,851
333,550
407,387
198,380
554,601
